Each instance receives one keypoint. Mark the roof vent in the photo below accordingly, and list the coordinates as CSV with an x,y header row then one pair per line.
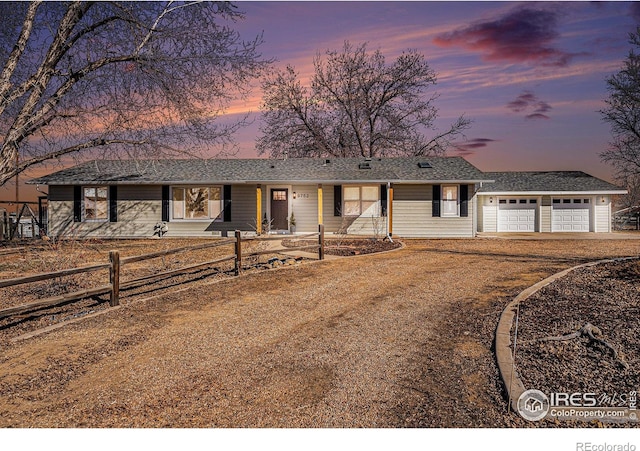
x,y
364,165
273,166
424,165
327,161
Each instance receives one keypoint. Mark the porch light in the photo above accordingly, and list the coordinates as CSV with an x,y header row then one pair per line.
x,y
295,195
491,200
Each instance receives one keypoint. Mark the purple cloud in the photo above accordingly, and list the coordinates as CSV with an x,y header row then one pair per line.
x,y
522,35
469,147
528,101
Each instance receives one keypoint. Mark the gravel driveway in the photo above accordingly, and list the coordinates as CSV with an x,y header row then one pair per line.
x,y
386,340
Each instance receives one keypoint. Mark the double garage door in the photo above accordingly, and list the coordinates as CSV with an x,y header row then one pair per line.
x,y
567,215
570,215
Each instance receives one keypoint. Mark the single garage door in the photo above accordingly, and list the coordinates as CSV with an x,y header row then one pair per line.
x,y
517,215
570,215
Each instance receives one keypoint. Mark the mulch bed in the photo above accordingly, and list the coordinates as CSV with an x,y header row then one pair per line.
x,y
348,247
606,296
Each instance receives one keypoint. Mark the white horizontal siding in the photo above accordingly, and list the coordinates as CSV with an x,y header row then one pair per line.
x,y
305,207
603,216
412,215
243,216
545,214
139,209
487,214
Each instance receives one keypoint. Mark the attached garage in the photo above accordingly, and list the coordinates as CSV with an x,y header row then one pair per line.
x,y
517,215
553,201
570,215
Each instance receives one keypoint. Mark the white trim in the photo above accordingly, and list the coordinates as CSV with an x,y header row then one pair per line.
x,y
267,199
443,200
219,218
83,216
551,193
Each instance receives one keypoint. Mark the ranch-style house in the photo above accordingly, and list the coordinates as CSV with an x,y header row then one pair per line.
x,y
403,197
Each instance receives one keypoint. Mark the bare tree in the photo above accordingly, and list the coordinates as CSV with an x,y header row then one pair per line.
x,y
357,104
140,78
623,114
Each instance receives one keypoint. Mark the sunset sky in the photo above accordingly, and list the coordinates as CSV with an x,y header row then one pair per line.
x,y
531,76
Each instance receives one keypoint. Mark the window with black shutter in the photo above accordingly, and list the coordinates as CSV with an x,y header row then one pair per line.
x,y
383,199
113,203
435,203
464,201
77,204
166,195
337,200
226,197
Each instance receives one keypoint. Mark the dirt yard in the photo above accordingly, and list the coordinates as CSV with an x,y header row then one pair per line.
x,y
402,339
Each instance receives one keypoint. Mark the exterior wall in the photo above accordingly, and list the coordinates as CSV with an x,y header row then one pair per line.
x,y
602,214
487,214
243,216
412,215
139,209
305,207
332,224
347,225
545,214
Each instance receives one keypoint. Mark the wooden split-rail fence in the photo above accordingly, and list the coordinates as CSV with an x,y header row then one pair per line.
x,y
116,263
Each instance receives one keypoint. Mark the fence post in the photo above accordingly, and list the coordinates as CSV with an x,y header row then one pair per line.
x,y
321,242
114,278
238,252
5,221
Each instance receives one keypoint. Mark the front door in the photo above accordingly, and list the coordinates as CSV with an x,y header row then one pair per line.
x,y
279,209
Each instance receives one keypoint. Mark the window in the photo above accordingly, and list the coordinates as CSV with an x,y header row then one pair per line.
x,y
96,207
361,201
197,202
502,201
512,201
577,201
450,200
586,201
556,201
566,201
533,201
523,201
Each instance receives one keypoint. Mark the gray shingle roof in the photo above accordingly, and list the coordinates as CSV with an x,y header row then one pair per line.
x,y
548,181
316,170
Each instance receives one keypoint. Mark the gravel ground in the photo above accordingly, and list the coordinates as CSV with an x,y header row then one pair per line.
x,y
401,339
606,296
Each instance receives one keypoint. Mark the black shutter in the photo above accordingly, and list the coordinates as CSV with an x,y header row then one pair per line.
x,y
113,203
383,199
464,201
77,204
337,200
165,202
435,203
226,199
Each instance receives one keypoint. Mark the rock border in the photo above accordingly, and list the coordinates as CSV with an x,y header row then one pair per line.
x,y
506,365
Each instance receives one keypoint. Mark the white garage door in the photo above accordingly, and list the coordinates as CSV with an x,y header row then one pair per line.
x,y
570,215
517,215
